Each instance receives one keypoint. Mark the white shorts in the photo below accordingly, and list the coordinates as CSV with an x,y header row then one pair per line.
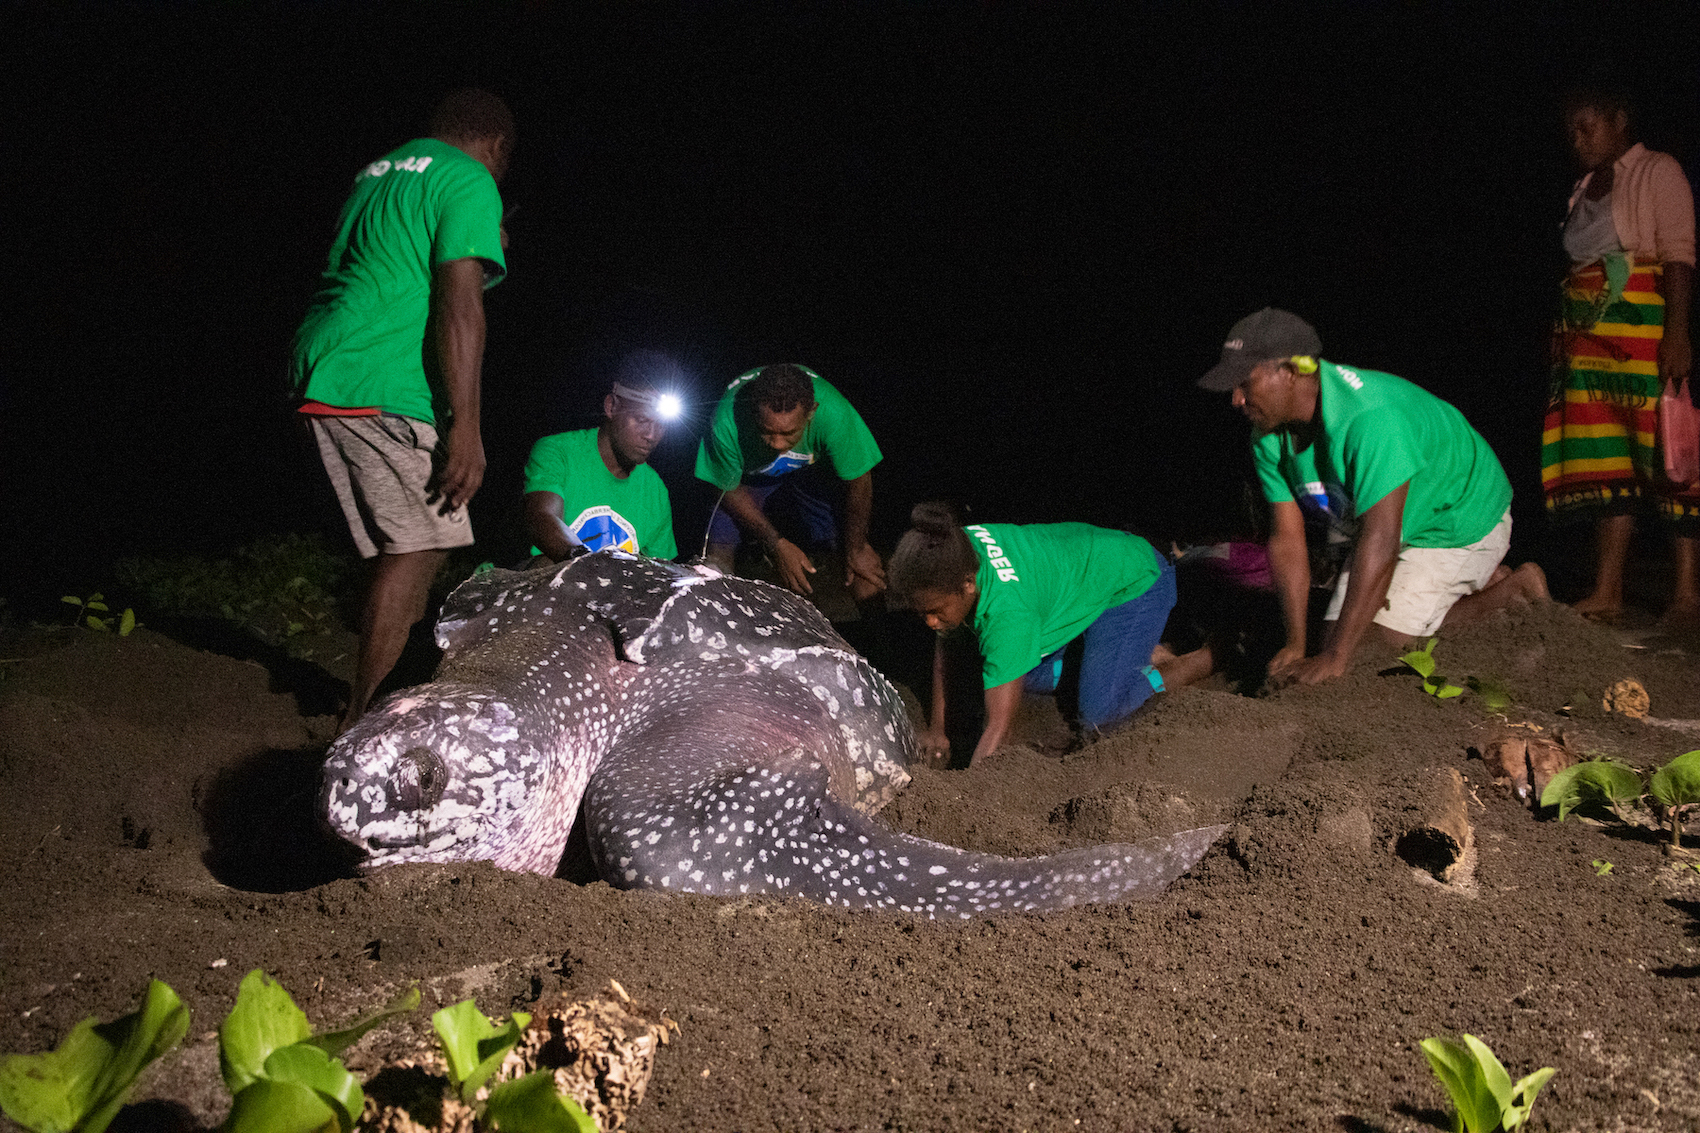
x,y
382,469
1428,580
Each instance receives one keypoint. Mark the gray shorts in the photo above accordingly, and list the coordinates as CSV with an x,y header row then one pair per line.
x,y
381,468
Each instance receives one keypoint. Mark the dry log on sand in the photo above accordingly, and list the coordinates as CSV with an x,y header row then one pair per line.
x,y
1441,835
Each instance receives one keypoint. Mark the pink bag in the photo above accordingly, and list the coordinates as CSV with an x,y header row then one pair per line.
x,y
1679,434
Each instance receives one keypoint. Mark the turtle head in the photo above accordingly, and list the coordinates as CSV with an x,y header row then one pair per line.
x,y
437,773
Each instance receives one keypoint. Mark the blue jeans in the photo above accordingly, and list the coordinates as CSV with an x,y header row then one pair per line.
x,y
803,505
1115,671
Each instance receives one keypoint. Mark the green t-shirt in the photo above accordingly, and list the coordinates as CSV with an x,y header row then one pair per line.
x,y
363,340
602,511
1377,432
733,451
1042,584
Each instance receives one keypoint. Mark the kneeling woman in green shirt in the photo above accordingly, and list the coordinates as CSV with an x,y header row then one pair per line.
x,y
1029,590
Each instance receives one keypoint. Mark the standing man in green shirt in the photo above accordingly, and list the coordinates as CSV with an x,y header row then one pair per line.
x,y
590,489
1419,492
771,430
388,361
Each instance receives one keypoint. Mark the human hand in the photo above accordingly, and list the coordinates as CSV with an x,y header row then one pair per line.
x,y
933,747
461,474
1310,671
1285,659
864,573
793,565
1676,357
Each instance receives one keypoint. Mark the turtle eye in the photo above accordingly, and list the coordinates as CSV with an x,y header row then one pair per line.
x,y
419,780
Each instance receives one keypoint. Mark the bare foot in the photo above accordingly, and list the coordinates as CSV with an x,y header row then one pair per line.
x,y
1499,575
1597,608
1531,582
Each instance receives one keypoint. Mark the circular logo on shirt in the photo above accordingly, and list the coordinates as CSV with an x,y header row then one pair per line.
x,y
601,528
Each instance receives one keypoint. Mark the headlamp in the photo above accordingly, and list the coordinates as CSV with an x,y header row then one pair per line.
x,y
666,406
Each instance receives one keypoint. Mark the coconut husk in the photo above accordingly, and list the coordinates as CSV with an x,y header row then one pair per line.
x,y
601,1050
1628,697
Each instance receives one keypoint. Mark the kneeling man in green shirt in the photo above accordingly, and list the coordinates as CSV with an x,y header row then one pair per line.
x,y
1420,493
773,433
591,490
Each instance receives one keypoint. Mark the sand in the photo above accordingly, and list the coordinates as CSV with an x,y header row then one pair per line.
x,y
160,824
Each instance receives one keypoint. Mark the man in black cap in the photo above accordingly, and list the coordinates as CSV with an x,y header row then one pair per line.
x,y
1392,470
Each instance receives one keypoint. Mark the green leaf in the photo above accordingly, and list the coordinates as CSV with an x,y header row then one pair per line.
x,y
531,1105
324,1075
335,1042
473,1045
1422,660
127,622
1494,1076
280,1107
1600,780
1495,693
1466,1083
82,1084
264,1019
72,599
1446,691
97,596
101,606
1677,783
100,624
1526,1088
1602,867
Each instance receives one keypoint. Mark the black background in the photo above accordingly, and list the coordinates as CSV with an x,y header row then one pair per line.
x,y
1012,234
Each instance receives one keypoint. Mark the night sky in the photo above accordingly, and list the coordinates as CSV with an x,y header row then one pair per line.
x,y
1012,234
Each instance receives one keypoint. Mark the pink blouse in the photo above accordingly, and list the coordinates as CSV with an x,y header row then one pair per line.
x,y
1652,206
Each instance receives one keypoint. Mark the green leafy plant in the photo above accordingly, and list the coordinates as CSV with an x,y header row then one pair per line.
x,y
1676,786
532,1105
1482,1092
81,1085
1604,781
1602,867
283,1077
1422,660
1495,694
285,590
97,615
475,1046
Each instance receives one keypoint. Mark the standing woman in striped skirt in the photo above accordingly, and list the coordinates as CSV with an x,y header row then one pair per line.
x,y
1623,339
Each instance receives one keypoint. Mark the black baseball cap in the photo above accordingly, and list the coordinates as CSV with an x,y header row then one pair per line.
x,y
1270,333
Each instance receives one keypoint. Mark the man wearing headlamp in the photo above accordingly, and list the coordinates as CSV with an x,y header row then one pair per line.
x,y
591,489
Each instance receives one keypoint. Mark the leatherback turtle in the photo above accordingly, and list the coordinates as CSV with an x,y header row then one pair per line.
x,y
721,737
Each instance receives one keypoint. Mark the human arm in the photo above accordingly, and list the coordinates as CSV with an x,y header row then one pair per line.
x,y
545,520
793,565
1001,703
933,744
1374,556
1289,563
457,313
1676,355
863,571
